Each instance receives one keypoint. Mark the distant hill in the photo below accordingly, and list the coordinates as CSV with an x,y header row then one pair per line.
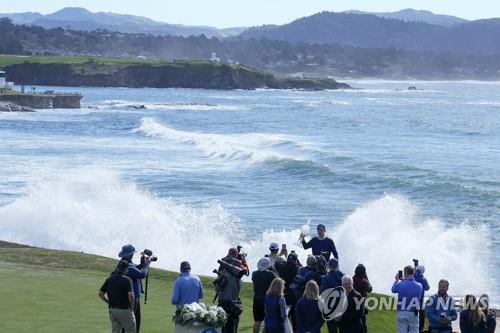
x,y
76,18
279,56
412,15
371,31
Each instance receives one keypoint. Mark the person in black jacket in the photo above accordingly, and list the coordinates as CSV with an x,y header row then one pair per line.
x,y
362,285
288,271
262,279
321,245
332,280
490,314
351,320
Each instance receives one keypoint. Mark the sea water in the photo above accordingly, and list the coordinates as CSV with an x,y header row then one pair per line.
x,y
394,174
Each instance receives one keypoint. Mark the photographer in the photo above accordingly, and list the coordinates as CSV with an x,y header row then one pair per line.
x,y
136,273
409,292
420,278
228,286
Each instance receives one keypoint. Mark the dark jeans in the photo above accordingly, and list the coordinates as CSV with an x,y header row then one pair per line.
x,y
137,313
440,330
233,316
291,315
278,329
231,324
332,326
421,320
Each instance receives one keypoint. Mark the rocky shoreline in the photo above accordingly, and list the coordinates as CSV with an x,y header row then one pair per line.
x,y
13,107
174,74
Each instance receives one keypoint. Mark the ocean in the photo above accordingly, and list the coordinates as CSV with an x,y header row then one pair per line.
x,y
394,174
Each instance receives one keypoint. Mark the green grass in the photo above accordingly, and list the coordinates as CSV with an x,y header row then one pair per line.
x,y
56,291
6,60
91,65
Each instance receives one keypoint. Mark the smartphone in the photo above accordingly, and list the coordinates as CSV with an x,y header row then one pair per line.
x,y
283,247
400,275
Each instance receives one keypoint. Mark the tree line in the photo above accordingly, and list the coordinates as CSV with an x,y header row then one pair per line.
x,y
280,56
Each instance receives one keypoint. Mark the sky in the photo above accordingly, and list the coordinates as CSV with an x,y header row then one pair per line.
x,y
233,13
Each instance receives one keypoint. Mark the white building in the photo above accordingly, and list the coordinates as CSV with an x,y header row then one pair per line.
x,y
4,84
214,57
3,80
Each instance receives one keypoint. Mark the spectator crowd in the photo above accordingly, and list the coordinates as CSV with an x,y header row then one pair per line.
x,y
290,297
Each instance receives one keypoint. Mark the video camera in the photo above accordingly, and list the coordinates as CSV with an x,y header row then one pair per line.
x,y
148,254
232,269
241,255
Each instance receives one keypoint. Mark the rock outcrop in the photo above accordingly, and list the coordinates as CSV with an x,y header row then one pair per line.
x,y
12,107
181,74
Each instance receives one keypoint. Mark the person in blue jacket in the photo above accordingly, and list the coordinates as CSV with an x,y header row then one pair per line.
x,y
472,318
136,273
275,306
440,310
307,314
321,245
409,292
420,278
332,280
334,277
187,287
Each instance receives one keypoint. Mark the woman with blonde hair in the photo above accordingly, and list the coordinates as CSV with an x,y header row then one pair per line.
x,y
275,306
307,314
490,314
472,318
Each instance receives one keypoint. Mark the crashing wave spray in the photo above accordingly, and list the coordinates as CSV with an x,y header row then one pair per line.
x,y
386,234
97,213
94,212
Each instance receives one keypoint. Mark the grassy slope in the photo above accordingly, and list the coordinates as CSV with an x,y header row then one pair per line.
x,y
108,63
56,291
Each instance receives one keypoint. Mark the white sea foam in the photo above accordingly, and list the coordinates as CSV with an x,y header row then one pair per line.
x,y
255,147
96,212
386,234
125,104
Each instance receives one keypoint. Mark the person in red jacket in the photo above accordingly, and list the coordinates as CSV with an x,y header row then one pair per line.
x,y
362,285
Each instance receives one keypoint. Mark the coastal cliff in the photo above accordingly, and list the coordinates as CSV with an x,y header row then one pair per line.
x,y
173,74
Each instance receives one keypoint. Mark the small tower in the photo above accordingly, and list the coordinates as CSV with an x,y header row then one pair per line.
x,y
3,80
214,57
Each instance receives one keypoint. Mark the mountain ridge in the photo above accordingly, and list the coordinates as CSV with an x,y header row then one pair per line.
x,y
413,15
371,31
78,18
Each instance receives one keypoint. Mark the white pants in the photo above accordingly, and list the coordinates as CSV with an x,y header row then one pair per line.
x,y
407,322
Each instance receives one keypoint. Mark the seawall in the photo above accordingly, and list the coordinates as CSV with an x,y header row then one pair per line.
x,y
44,101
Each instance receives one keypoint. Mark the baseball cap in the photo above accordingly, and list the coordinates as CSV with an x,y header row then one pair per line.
x,y
185,266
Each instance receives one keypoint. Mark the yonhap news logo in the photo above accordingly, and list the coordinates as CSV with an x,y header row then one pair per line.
x,y
333,303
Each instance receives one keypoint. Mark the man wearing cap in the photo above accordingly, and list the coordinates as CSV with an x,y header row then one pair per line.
x,y
117,292
187,287
420,278
273,257
332,280
136,273
261,279
321,245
